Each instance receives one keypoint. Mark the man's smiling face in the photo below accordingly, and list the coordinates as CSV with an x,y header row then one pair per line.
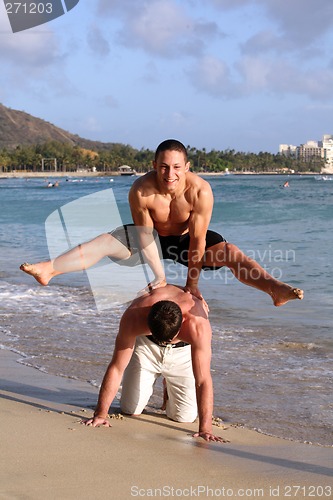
x,y
171,167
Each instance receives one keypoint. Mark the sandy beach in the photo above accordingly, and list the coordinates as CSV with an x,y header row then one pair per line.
x,y
48,454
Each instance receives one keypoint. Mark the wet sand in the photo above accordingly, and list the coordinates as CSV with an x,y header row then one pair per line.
x,y
47,453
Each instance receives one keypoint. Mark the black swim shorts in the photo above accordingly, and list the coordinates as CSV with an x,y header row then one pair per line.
x,y
172,247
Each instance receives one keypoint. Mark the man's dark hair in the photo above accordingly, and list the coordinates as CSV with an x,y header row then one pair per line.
x,y
164,320
171,145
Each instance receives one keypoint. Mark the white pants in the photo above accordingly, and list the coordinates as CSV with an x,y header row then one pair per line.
x,y
148,362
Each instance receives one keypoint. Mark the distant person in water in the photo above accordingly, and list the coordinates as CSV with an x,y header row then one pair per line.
x,y
177,204
50,185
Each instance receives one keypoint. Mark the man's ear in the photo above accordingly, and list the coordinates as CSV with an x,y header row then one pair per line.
x,y
187,166
154,164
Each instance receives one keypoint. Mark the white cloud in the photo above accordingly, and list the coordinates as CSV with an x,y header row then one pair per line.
x,y
212,75
91,124
35,48
255,74
175,122
281,77
260,76
301,21
32,49
159,27
151,74
97,42
286,58
111,7
316,85
110,101
265,41
276,52
298,22
228,4
33,65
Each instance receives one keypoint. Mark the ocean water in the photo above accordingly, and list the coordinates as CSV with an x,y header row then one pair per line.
x,y
272,367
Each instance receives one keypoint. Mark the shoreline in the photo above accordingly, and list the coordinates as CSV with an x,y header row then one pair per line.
x,y
93,388
44,175
49,454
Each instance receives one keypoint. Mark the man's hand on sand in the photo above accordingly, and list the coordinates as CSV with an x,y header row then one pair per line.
x,y
194,290
97,422
207,436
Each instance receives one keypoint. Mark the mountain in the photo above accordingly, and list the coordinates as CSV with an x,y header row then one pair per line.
x,y
20,128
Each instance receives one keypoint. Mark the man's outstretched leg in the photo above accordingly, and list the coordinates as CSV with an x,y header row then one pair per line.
x,y
249,272
78,258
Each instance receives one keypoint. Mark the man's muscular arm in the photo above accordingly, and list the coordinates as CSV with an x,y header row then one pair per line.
x,y
123,350
201,359
145,226
198,226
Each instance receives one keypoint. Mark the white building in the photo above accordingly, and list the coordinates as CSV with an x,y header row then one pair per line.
x,y
328,147
288,150
312,149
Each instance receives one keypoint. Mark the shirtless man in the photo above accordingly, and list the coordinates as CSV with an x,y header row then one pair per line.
x,y
155,324
177,204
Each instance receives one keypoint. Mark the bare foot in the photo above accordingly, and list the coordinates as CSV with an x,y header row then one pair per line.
x,y
42,272
286,293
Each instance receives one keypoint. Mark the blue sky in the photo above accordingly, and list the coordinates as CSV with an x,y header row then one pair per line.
x,y
238,74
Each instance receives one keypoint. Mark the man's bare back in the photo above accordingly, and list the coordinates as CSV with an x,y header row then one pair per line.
x,y
193,309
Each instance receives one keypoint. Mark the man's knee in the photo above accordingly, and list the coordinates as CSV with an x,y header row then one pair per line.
x,y
189,418
129,410
181,414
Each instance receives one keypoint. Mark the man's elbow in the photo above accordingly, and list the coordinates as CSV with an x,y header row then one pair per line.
x,y
203,383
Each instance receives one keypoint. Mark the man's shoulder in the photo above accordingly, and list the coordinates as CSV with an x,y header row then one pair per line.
x,y
198,189
196,182
135,317
196,330
144,182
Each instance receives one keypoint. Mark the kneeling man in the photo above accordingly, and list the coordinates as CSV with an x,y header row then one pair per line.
x,y
166,332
